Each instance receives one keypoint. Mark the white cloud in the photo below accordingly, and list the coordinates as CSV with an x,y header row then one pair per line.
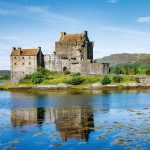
x,y
126,31
45,14
112,1
144,19
37,13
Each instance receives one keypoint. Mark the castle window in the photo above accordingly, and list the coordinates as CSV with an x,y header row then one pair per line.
x,y
22,57
22,63
15,57
15,63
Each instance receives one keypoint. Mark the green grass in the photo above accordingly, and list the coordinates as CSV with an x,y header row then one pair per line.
x,y
60,78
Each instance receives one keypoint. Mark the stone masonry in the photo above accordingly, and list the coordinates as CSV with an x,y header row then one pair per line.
x,y
73,52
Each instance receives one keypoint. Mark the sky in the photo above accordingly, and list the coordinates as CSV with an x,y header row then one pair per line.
x,y
115,26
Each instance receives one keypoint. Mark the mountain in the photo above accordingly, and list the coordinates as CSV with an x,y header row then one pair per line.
x,y
4,74
124,58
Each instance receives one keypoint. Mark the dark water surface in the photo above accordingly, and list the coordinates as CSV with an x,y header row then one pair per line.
x,y
75,120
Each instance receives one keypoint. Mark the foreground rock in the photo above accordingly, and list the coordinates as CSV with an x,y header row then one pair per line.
x,y
62,86
145,80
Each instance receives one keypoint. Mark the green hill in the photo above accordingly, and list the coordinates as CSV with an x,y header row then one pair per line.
x,y
4,74
125,58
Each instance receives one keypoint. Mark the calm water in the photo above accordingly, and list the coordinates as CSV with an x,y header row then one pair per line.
x,y
74,120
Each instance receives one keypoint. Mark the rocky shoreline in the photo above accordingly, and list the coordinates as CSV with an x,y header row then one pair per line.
x,y
95,86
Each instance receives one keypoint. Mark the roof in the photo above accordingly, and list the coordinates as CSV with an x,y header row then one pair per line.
x,y
72,37
25,52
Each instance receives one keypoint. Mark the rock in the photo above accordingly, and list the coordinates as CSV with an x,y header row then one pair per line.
x,y
111,85
63,86
132,85
96,85
45,87
145,81
51,86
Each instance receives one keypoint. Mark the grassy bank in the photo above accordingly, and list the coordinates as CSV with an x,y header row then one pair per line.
x,y
43,78
58,78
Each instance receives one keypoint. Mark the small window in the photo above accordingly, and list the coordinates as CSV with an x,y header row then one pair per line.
x,y
29,57
22,57
23,63
29,63
15,57
15,63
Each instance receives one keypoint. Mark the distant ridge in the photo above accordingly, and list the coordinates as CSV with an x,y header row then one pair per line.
x,y
124,58
4,72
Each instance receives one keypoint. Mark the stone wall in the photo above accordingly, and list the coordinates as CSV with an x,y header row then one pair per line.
x,y
21,66
54,63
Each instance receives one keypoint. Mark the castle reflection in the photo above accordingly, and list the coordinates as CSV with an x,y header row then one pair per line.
x,y
73,118
73,122
27,116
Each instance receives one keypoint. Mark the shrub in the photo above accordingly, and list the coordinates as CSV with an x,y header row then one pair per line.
x,y
75,80
147,72
126,69
117,79
28,76
75,74
106,80
66,72
37,80
137,80
40,75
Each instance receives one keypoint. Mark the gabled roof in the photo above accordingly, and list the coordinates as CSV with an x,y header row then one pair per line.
x,y
72,37
24,52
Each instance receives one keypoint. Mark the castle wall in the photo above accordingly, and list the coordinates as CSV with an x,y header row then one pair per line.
x,y
73,52
88,67
21,66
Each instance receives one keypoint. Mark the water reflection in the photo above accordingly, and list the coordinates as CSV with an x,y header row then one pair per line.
x,y
27,116
75,122
79,120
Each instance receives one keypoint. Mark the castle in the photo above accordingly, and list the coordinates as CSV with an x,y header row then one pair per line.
x,y
73,52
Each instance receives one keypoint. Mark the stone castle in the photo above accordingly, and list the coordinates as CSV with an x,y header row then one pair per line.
x,y
73,52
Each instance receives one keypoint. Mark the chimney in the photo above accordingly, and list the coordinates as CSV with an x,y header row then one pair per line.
x,y
63,34
19,48
85,33
14,48
39,48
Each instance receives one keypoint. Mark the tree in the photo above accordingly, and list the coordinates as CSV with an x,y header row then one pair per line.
x,y
117,79
75,80
147,72
40,75
106,80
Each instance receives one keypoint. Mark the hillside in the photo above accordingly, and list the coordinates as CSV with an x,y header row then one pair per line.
x,y
4,74
124,58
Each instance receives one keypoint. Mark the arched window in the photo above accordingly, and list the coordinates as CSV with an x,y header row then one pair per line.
x,y
64,68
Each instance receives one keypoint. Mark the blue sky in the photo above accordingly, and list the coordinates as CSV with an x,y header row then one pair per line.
x,y
116,26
